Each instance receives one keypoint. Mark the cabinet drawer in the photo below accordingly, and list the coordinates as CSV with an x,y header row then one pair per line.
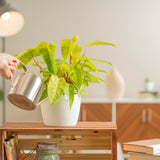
x,y
96,112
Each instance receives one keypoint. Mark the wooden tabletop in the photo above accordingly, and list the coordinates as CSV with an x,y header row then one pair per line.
x,y
38,126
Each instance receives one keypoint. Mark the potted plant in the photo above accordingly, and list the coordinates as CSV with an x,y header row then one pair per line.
x,y
64,79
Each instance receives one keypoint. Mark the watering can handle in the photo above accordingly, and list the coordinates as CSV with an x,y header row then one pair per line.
x,y
25,70
23,65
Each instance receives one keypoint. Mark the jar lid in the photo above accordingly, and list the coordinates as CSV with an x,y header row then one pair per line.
x,y
47,146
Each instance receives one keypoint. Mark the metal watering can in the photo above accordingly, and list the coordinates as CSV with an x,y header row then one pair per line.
x,y
26,90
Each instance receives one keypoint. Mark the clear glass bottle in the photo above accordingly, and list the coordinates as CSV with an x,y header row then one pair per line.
x,y
47,151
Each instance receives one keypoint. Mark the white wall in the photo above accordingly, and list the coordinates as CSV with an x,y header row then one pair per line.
x,y
133,25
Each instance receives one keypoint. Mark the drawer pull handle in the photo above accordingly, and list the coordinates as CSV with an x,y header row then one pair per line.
x,y
143,115
149,115
84,115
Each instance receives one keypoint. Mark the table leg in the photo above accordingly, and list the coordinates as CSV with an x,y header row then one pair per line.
x,y
2,154
114,145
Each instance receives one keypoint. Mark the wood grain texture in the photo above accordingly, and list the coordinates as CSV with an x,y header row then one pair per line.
x,y
80,157
77,144
86,136
2,153
153,124
131,127
129,122
39,126
97,112
114,145
1,145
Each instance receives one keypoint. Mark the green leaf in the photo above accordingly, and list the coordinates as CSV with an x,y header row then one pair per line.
x,y
63,64
73,43
100,70
85,83
44,95
99,43
40,61
45,71
77,51
89,65
69,92
82,91
77,77
84,59
91,79
60,70
57,60
48,53
67,46
94,77
99,60
26,56
56,88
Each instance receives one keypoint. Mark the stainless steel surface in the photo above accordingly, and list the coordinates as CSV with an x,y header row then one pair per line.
x,y
26,91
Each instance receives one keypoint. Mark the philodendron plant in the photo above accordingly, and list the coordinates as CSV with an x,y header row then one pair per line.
x,y
65,76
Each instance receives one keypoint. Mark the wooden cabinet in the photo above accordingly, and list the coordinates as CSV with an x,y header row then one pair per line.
x,y
135,121
138,121
131,122
96,112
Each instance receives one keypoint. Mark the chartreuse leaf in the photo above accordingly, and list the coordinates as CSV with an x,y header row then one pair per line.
x,y
99,60
77,51
56,88
85,83
48,54
44,94
63,65
45,71
60,70
26,56
77,77
67,46
99,43
82,91
100,70
69,92
40,61
73,43
84,59
94,77
91,79
89,66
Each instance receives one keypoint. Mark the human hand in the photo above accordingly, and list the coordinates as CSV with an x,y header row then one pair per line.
x,y
8,65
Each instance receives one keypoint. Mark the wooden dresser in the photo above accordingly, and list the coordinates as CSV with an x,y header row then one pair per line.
x,y
136,119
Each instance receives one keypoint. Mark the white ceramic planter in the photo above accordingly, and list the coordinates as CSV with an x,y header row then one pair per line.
x,y
60,114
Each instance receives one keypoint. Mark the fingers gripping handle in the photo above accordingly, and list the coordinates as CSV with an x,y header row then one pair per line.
x,y
24,68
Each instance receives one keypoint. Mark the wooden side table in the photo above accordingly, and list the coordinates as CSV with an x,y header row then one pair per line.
x,y
84,139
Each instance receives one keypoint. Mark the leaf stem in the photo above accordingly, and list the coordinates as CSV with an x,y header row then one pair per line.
x,y
36,61
84,64
70,58
68,78
85,50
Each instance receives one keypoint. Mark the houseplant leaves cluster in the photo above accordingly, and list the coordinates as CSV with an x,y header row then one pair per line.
x,y
68,75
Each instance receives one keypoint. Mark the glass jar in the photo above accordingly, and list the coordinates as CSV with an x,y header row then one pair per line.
x,y
47,151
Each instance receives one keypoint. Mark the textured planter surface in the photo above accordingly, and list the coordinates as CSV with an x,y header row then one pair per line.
x,y
60,114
